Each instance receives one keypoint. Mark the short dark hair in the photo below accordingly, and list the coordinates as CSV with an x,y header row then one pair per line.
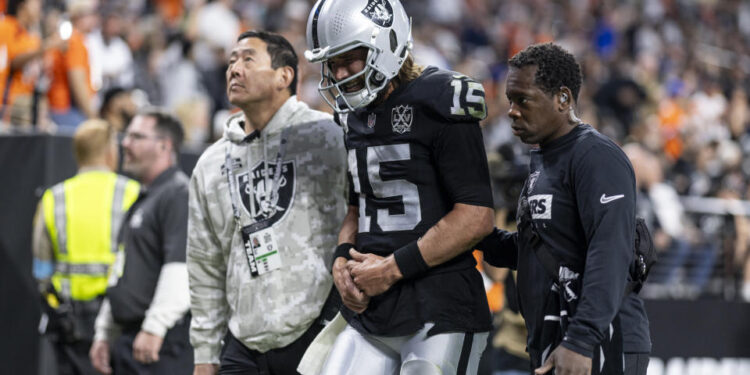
x,y
556,67
281,52
109,96
11,8
167,125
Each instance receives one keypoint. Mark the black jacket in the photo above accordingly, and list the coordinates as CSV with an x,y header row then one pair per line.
x,y
581,193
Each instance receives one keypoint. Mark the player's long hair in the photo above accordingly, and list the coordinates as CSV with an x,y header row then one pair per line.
x,y
409,71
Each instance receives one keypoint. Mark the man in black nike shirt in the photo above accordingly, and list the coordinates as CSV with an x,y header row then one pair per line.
x,y
420,199
579,200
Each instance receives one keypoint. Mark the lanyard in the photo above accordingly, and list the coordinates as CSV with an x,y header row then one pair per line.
x,y
271,192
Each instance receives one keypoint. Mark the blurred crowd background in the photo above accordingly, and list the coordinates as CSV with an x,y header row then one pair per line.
x,y
667,79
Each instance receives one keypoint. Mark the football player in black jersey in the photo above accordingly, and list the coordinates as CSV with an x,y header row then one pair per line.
x,y
578,203
420,196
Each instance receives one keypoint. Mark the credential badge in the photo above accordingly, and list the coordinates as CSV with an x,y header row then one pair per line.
x,y
401,117
380,12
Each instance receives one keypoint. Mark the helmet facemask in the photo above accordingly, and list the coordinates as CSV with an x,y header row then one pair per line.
x,y
334,93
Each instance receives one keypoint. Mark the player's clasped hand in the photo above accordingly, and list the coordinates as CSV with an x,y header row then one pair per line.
x,y
371,273
351,296
565,362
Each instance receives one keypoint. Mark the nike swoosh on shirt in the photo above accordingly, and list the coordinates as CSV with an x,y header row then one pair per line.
x,y
605,199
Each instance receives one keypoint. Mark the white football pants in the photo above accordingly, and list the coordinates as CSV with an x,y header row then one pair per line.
x,y
417,354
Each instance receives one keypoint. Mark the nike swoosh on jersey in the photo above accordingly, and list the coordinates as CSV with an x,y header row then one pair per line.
x,y
605,199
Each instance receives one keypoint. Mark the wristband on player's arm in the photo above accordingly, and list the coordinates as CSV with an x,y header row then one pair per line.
x,y
410,261
342,250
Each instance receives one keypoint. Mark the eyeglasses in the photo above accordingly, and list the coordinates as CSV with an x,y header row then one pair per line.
x,y
135,136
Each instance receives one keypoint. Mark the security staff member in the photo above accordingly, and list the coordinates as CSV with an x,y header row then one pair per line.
x,y
148,297
579,198
75,231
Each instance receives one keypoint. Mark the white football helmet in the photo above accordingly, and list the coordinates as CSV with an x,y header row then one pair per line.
x,y
338,26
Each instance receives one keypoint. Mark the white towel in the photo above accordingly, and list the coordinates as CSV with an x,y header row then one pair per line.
x,y
316,354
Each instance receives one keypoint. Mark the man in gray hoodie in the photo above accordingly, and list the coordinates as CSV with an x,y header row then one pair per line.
x,y
266,202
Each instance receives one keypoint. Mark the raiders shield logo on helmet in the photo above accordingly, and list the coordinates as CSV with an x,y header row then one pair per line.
x,y
260,203
380,12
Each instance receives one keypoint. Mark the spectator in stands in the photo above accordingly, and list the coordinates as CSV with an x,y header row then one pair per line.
x,y
6,39
74,238
117,108
186,95
741,261
148,297
70,93
25,53
213,27
110,57
685,263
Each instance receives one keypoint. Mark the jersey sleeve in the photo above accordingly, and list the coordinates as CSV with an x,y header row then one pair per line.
x,y
604,185
460,98
500,248
462,164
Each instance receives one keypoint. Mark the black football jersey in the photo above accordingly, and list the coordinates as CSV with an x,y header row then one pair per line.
x,y
414,156
411,158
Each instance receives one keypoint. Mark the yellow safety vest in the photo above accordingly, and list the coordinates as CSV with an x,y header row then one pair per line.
x,y
83,215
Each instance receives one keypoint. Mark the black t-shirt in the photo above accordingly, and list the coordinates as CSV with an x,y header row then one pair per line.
x,y
581,194
153,234
411,159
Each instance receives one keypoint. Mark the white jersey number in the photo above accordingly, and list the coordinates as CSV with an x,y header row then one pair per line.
x,y
468,97
407,191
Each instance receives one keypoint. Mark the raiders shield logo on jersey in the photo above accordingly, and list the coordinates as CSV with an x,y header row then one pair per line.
x,y
532,180
260,203
380,12
401,116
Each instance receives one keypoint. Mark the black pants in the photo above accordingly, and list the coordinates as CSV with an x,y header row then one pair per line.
x,y
72,346
175,355
636,363
73,358
236,358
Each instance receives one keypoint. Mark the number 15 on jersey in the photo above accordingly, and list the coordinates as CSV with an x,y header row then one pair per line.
x,y
397,205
